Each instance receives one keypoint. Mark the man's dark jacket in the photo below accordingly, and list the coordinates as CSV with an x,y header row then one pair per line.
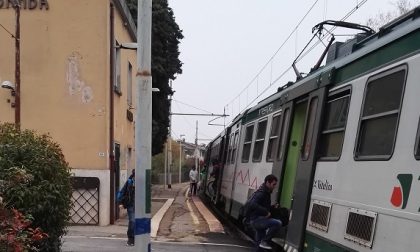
x,y
259,204
127,194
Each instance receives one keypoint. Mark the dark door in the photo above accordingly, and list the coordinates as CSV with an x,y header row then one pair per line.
x,y
117,177
303,181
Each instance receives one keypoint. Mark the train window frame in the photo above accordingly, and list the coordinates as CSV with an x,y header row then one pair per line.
x,y
383,157
273,138
309,128
229,154
260,141
334,96
417,144
235,146
246,143
285,124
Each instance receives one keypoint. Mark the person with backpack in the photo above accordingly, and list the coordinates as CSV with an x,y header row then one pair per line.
x,y
126,199
258,211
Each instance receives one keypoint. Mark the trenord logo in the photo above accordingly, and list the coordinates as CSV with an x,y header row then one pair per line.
x,y
400,194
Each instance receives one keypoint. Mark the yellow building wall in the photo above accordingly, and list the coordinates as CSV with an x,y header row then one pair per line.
x,y
64,76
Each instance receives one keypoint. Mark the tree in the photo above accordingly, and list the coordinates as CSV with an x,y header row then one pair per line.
x,y
166,36
401,7
43,189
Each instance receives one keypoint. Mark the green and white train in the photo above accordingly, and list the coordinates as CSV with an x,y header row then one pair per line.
x,y
345,144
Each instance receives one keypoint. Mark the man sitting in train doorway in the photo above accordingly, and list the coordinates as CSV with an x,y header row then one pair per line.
x,y
259,215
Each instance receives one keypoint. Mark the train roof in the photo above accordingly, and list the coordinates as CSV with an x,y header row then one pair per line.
x,y
386,35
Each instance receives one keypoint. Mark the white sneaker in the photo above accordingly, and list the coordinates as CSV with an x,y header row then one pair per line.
x,y
265,245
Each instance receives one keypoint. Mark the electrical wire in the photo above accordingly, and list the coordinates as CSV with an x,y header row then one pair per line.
x,y
186,104
11,34
275,53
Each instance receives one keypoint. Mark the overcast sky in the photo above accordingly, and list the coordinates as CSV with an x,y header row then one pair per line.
x,y
228,42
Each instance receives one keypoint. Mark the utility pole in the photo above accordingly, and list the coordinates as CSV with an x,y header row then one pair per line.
x,y
166,166
170,142
180,158
17,65
143,128
196,149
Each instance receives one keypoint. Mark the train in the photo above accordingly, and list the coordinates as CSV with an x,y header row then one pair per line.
x,y
344,141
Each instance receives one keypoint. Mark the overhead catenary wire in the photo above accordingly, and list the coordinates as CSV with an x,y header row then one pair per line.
x,y
275,53
327,36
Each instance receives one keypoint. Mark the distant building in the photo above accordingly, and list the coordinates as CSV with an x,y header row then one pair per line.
x,y
78,86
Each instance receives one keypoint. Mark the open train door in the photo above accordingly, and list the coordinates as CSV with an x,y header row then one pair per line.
x,y
305,170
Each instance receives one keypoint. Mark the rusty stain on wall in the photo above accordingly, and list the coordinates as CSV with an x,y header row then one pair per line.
x,y
74,80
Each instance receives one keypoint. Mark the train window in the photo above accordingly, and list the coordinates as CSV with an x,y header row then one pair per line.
x,y
246,150
229,155
380,113
332,134
283,136
274,134
234,147
417,146
259,141
307,141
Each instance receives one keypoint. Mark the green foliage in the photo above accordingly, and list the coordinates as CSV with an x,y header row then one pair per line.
x,y
166,36
45,193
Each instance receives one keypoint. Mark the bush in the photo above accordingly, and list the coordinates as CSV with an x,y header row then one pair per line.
x,y
46,196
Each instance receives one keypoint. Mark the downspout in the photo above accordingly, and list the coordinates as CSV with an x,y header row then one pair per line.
x,y
111,116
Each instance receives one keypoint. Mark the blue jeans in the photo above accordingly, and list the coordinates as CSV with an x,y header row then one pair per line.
x,y
131,222
265,228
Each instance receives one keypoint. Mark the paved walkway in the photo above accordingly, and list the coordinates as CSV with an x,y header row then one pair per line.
x,y
185,225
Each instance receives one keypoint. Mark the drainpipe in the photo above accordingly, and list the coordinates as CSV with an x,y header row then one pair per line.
x,y
111,116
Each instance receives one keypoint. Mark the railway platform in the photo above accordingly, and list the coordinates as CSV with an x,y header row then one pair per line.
x,y
179,223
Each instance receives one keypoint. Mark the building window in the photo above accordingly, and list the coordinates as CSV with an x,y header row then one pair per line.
x,y
310,125
117,84
259,141
332,135
130,85
283,134
417,146
380,113
246,150
235,147
272,141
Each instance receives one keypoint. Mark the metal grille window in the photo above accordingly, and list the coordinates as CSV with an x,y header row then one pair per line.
x,y
360,226
274,134
332,135
283,135
234,148
320,215
85,199
307,142
246,150
259,141
380,113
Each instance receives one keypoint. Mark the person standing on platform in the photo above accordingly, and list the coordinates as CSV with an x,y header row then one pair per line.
x,y
193,181
126,199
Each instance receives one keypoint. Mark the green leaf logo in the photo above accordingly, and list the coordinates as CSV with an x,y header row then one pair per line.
x,y
400,194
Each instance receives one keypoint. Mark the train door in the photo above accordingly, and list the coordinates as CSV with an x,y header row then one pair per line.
x,y
304,164
291,151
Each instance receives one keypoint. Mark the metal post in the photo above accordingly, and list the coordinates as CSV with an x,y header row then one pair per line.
x,y
196,149
170,142
165,179
143,129
180,158
17,65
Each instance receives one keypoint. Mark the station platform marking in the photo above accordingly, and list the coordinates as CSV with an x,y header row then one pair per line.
x,y
190,209
214,224
157,218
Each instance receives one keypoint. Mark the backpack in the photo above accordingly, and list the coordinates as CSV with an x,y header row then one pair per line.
x,y
124,195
